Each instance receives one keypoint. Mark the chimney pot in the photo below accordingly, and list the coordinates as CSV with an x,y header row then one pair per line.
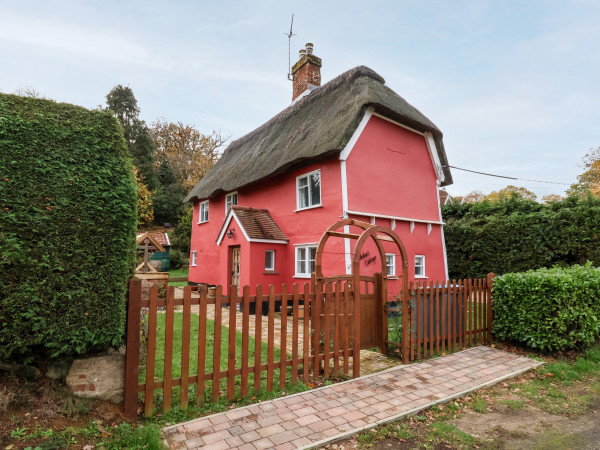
x,y
306,72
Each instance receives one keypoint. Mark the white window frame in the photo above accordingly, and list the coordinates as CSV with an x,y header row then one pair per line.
x,y
194,261
423,274
389,266
203,207
306,247
272,268
310,205
228,202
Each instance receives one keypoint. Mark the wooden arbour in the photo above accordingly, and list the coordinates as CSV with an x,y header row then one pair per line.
x,y
378,234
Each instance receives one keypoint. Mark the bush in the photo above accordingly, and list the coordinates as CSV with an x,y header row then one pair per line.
x,y
516,235
548,309
67,228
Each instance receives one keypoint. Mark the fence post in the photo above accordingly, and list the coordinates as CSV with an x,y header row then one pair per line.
x,y
490,317
133,348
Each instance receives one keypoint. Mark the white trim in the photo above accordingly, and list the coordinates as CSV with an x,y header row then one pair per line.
x,y
194,261
429,230
347,257
225,225
227,195
393,255
268,241
307,175
309,207
372,220
402,219
412,226
361,126
347,248
435,158
272,260
168,240
399,124
442,233
424,275
307,248
200,211
393,224
302,245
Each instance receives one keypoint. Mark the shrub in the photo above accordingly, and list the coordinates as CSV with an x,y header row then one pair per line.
x,y
515,235
67,228
548,309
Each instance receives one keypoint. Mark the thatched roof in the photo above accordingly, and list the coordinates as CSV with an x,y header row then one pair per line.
x,y
313,128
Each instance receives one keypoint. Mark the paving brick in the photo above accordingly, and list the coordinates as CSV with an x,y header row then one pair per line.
x,y
263,444
327,412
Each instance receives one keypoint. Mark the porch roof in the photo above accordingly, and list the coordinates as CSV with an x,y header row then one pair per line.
x,y
257,225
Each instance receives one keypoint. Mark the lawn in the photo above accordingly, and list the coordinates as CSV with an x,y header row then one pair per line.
x,y
176,273
210,345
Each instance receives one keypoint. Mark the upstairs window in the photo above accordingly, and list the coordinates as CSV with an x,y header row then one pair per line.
x,y
194,258
203,216
305,260
308,188
420,266
230,200
390,260
269,260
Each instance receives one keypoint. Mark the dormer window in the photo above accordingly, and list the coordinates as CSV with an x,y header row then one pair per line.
x,y
308,190
230,200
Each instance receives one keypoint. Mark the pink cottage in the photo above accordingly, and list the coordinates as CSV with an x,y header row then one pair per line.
x,y
350,148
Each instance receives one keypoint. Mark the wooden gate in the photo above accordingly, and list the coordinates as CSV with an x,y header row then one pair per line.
x,y
369,293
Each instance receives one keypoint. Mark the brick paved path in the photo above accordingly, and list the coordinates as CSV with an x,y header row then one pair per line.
x,y
313,418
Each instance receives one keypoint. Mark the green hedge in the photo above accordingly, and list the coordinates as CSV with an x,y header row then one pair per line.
x,y
67,228
548,309
516,235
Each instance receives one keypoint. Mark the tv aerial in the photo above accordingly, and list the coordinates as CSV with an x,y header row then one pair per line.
x,y
289,35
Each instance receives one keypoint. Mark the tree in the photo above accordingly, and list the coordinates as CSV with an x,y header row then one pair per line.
x,y
122,103
508,192
168,198
473,197
145,209
589,180
552,198
190,153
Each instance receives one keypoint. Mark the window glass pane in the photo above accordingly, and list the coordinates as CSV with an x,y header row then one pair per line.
x,y
234,199
303,196
269,260
302,181
312,255
315,189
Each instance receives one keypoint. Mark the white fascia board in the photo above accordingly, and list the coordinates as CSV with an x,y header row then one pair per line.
x,y
225,225
168,240
361,126
402,219
268,241
399,124
435,158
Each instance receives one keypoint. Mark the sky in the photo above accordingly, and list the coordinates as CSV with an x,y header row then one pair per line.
x,y
513,85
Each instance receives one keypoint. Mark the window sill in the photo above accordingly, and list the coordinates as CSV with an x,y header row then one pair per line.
x,y
302,276
393,278
200,223
309,207
421,277
270,272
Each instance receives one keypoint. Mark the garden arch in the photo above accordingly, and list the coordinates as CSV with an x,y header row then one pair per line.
x,y
377,234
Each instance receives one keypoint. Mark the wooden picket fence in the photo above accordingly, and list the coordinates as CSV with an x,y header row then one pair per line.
x,y
443,316
323,344
450,315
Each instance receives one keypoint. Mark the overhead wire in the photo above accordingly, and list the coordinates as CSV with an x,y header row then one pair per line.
x,y
507,177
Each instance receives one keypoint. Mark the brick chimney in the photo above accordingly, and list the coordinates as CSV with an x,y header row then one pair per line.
x,y
306,72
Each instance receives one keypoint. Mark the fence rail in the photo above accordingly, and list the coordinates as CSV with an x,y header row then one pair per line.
x,y
212,345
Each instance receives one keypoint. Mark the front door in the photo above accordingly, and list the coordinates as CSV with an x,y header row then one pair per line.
x,y
235,267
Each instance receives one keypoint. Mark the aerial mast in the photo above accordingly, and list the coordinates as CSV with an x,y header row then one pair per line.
x,y
289,35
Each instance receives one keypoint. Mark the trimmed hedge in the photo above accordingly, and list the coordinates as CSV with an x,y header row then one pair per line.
x,y
517,235
67,228
548,309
